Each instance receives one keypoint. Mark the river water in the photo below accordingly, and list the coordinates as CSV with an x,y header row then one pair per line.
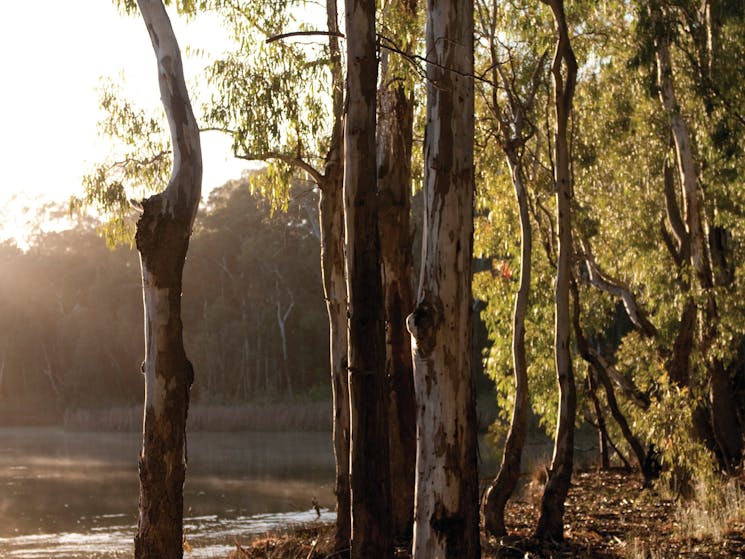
x,y
74,495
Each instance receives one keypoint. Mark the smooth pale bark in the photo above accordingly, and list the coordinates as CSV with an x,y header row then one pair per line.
x,y
499,492
331,218
369,466
551,521
162,239
723,417
394,143
686,165
446,501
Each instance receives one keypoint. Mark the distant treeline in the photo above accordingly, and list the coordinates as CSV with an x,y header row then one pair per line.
x,y
255,325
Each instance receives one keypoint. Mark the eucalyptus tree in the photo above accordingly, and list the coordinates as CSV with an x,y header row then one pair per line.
x,y
564,70
446,500
162,239
395,128
509,119
692,231
369,465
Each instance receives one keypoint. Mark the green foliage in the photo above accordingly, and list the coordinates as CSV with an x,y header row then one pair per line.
x,y
620,141
143,165
274,99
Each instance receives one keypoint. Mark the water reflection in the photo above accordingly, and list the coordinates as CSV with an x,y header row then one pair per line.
x,y
75,494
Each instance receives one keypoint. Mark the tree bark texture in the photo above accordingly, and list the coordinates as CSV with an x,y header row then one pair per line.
x,y
499,492
446,501
370,475
162,239
394,141
551,521
335,291
331,217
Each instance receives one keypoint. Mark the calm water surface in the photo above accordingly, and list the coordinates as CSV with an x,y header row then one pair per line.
x,y
74,495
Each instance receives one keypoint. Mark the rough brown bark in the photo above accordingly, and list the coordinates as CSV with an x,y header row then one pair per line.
x,y
162,239
394,143
551,521
369,465
446,501
331,218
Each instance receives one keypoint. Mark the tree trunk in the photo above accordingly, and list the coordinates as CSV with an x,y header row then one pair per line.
x,y
446,501
335,291
162,239
394,141
331,218
499,492
602,431
723,420
686,165
551,522
369,466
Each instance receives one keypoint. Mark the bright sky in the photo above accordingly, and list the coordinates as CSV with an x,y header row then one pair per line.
x,y
52,56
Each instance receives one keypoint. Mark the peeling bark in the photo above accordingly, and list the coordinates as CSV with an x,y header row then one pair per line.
x,y
369,465
551,521
394,143
162,239
446,501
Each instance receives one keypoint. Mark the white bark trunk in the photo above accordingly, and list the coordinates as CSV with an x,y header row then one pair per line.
x,y
564,70
446,500
162,239
686,164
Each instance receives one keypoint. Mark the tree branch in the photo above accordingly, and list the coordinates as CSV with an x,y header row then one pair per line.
x,y
618,288
281,36
295,161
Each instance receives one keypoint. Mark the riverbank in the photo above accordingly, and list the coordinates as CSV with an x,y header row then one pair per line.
x,y
608,516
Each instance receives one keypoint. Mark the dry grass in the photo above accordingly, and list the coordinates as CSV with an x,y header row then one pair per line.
x,y
296,543
306,416
713,511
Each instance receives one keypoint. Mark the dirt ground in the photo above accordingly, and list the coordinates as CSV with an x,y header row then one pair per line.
x,y
608,516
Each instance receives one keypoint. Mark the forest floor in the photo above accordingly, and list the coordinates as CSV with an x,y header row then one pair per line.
x,y
608,516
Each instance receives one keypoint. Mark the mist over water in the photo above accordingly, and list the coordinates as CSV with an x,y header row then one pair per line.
x,y
74,495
